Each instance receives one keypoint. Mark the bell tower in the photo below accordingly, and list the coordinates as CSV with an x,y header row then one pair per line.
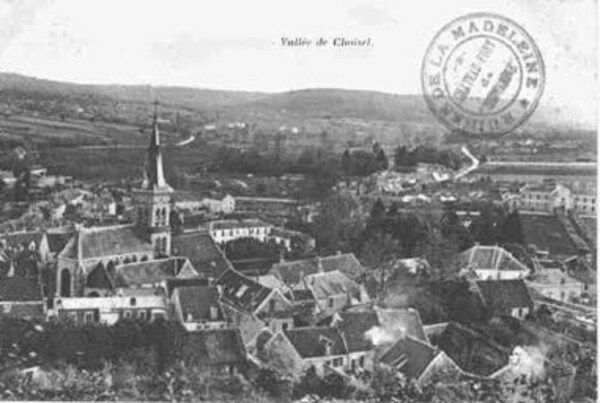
x,y
153,198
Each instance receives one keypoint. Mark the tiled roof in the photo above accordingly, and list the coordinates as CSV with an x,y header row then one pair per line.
x,y
292,272
196,303
242,292
202,251
174,283
19,289
58,240
302,295
490,258
247,323
105,241
409,356
148,272
353,327
402,321
270,281
214,347
472,351
325,285
99,278
504,295
312,341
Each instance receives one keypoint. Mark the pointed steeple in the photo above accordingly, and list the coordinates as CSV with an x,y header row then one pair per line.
x,y
154,178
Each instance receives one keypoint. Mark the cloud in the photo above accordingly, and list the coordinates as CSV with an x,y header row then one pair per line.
x,y
368,14
186,49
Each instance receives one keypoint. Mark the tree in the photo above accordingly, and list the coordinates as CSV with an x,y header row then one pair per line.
x,y
336,229
346,162
511,230
377,218
454,231
401,157
486,227
382,161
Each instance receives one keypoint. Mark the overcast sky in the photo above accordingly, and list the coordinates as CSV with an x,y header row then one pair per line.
x,y
228,44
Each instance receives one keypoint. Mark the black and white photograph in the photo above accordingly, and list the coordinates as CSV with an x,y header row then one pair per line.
x,y
299,201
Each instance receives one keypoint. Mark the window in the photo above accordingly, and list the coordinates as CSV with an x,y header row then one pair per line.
x,y
331,302
214,313
143,315
284,326
361,361
132,301
88,317
127,314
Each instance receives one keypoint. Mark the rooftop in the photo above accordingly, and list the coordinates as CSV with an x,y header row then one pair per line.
x,y
242,292
481,257
312,342
505,295
409,356
19,289
89,243
292,272
202,251
196,303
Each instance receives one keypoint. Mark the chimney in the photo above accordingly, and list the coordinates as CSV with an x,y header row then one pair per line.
x,y
319,265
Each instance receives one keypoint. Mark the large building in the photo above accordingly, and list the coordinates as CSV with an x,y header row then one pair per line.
x,y
147,239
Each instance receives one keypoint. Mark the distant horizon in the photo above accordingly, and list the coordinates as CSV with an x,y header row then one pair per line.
x,y
116,84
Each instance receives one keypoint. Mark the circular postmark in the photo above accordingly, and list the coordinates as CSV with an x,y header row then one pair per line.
x,y
482,74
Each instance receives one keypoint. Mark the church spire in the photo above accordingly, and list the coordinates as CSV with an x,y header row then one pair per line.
x,y
154,178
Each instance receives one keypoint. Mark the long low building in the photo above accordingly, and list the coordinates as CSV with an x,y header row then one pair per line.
x,y
109,310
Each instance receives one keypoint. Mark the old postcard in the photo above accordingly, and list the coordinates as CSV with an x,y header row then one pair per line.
x,y
266,201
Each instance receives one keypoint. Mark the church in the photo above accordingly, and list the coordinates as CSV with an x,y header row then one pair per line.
x,y
94,257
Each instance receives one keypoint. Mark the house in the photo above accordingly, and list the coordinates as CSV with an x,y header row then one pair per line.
x,y
109,310
219,352
249,326
546,196
491,262
506,297
360,350
333,291
293,272
202,251
275,351
473,352
585,204
400,322
556,284
152,274
292,240
228,230
197,307
319,347
35,241
418,360
245,294
21,297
